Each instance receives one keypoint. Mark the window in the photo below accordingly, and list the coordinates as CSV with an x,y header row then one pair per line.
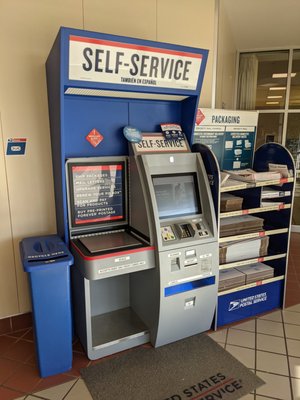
x,y
263,80
269,82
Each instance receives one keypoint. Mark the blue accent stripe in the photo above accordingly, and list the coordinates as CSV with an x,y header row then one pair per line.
x,y
185,287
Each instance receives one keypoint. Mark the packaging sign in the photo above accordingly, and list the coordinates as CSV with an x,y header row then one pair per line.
x,y
97,193
16,146
229,134
157,143
97,60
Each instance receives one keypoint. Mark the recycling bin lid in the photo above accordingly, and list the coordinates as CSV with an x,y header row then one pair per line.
x,y
41,252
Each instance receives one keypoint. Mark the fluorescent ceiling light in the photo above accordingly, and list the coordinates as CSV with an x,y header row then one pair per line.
x,y
274,97
278,88
283,75
272,102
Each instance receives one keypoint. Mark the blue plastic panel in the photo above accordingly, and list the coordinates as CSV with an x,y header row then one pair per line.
x,y
147,115
212,169
272,153
185,287
236,306
108,117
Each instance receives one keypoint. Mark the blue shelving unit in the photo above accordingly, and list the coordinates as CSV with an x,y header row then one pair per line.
x,y
249,300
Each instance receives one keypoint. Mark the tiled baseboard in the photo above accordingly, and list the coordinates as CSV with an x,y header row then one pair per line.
x,y
15,323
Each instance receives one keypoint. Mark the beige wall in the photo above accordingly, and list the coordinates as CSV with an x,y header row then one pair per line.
x,y
27,31
226,62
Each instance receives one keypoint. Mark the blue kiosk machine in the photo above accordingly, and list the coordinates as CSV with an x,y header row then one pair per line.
x,y
141,273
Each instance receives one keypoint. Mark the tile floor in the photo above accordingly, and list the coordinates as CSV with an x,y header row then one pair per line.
x,y
269,345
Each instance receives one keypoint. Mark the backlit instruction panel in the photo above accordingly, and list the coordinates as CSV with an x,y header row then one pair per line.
x,y
97,193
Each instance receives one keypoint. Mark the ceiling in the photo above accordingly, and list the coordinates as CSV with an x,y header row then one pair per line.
x,y
263,24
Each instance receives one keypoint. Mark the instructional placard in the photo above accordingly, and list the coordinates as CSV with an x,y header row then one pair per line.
x,y
97,193
229,134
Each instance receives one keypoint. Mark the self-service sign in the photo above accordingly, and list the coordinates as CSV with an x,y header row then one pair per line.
x,y
16,146
157,143
108,61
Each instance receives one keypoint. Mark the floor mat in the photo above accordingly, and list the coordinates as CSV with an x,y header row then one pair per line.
x,y
196,368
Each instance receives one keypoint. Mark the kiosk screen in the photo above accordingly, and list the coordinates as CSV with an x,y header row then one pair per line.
x,y
97,192
176,195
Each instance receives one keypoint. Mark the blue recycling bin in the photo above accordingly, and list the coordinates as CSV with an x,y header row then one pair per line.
x,y
47,261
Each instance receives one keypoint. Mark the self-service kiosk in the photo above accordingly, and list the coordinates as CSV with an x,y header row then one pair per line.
x,y
98,84
177,299
106,253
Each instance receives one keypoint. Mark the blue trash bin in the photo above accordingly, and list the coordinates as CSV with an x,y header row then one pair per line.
x,y
48,261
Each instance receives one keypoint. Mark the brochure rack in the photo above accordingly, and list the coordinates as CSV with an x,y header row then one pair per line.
x,y
97,85
263,295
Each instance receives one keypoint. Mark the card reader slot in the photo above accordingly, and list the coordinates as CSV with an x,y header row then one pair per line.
x,y
185,230
175,264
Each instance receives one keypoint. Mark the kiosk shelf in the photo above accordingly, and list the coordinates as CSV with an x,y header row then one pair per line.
x,y
115,327
251,285
276,207
251,261
253,235
232,185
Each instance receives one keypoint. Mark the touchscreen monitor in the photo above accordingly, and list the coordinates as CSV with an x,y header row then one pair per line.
x,y
176,195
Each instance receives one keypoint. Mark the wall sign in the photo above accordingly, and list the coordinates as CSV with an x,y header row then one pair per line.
x,y
107,61
16,146
229,134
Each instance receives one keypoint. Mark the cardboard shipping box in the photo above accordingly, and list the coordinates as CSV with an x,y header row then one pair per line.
x,y
243,249
240,225
230,278
229,202
256,272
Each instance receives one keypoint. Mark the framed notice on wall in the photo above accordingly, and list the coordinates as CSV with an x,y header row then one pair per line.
x,y
230,134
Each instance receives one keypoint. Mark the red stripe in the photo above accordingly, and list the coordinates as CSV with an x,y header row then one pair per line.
x,y
18,139
78,221
97,168
134,46
115,254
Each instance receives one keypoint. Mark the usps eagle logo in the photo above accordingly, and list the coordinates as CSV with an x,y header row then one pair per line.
x,y
234,305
